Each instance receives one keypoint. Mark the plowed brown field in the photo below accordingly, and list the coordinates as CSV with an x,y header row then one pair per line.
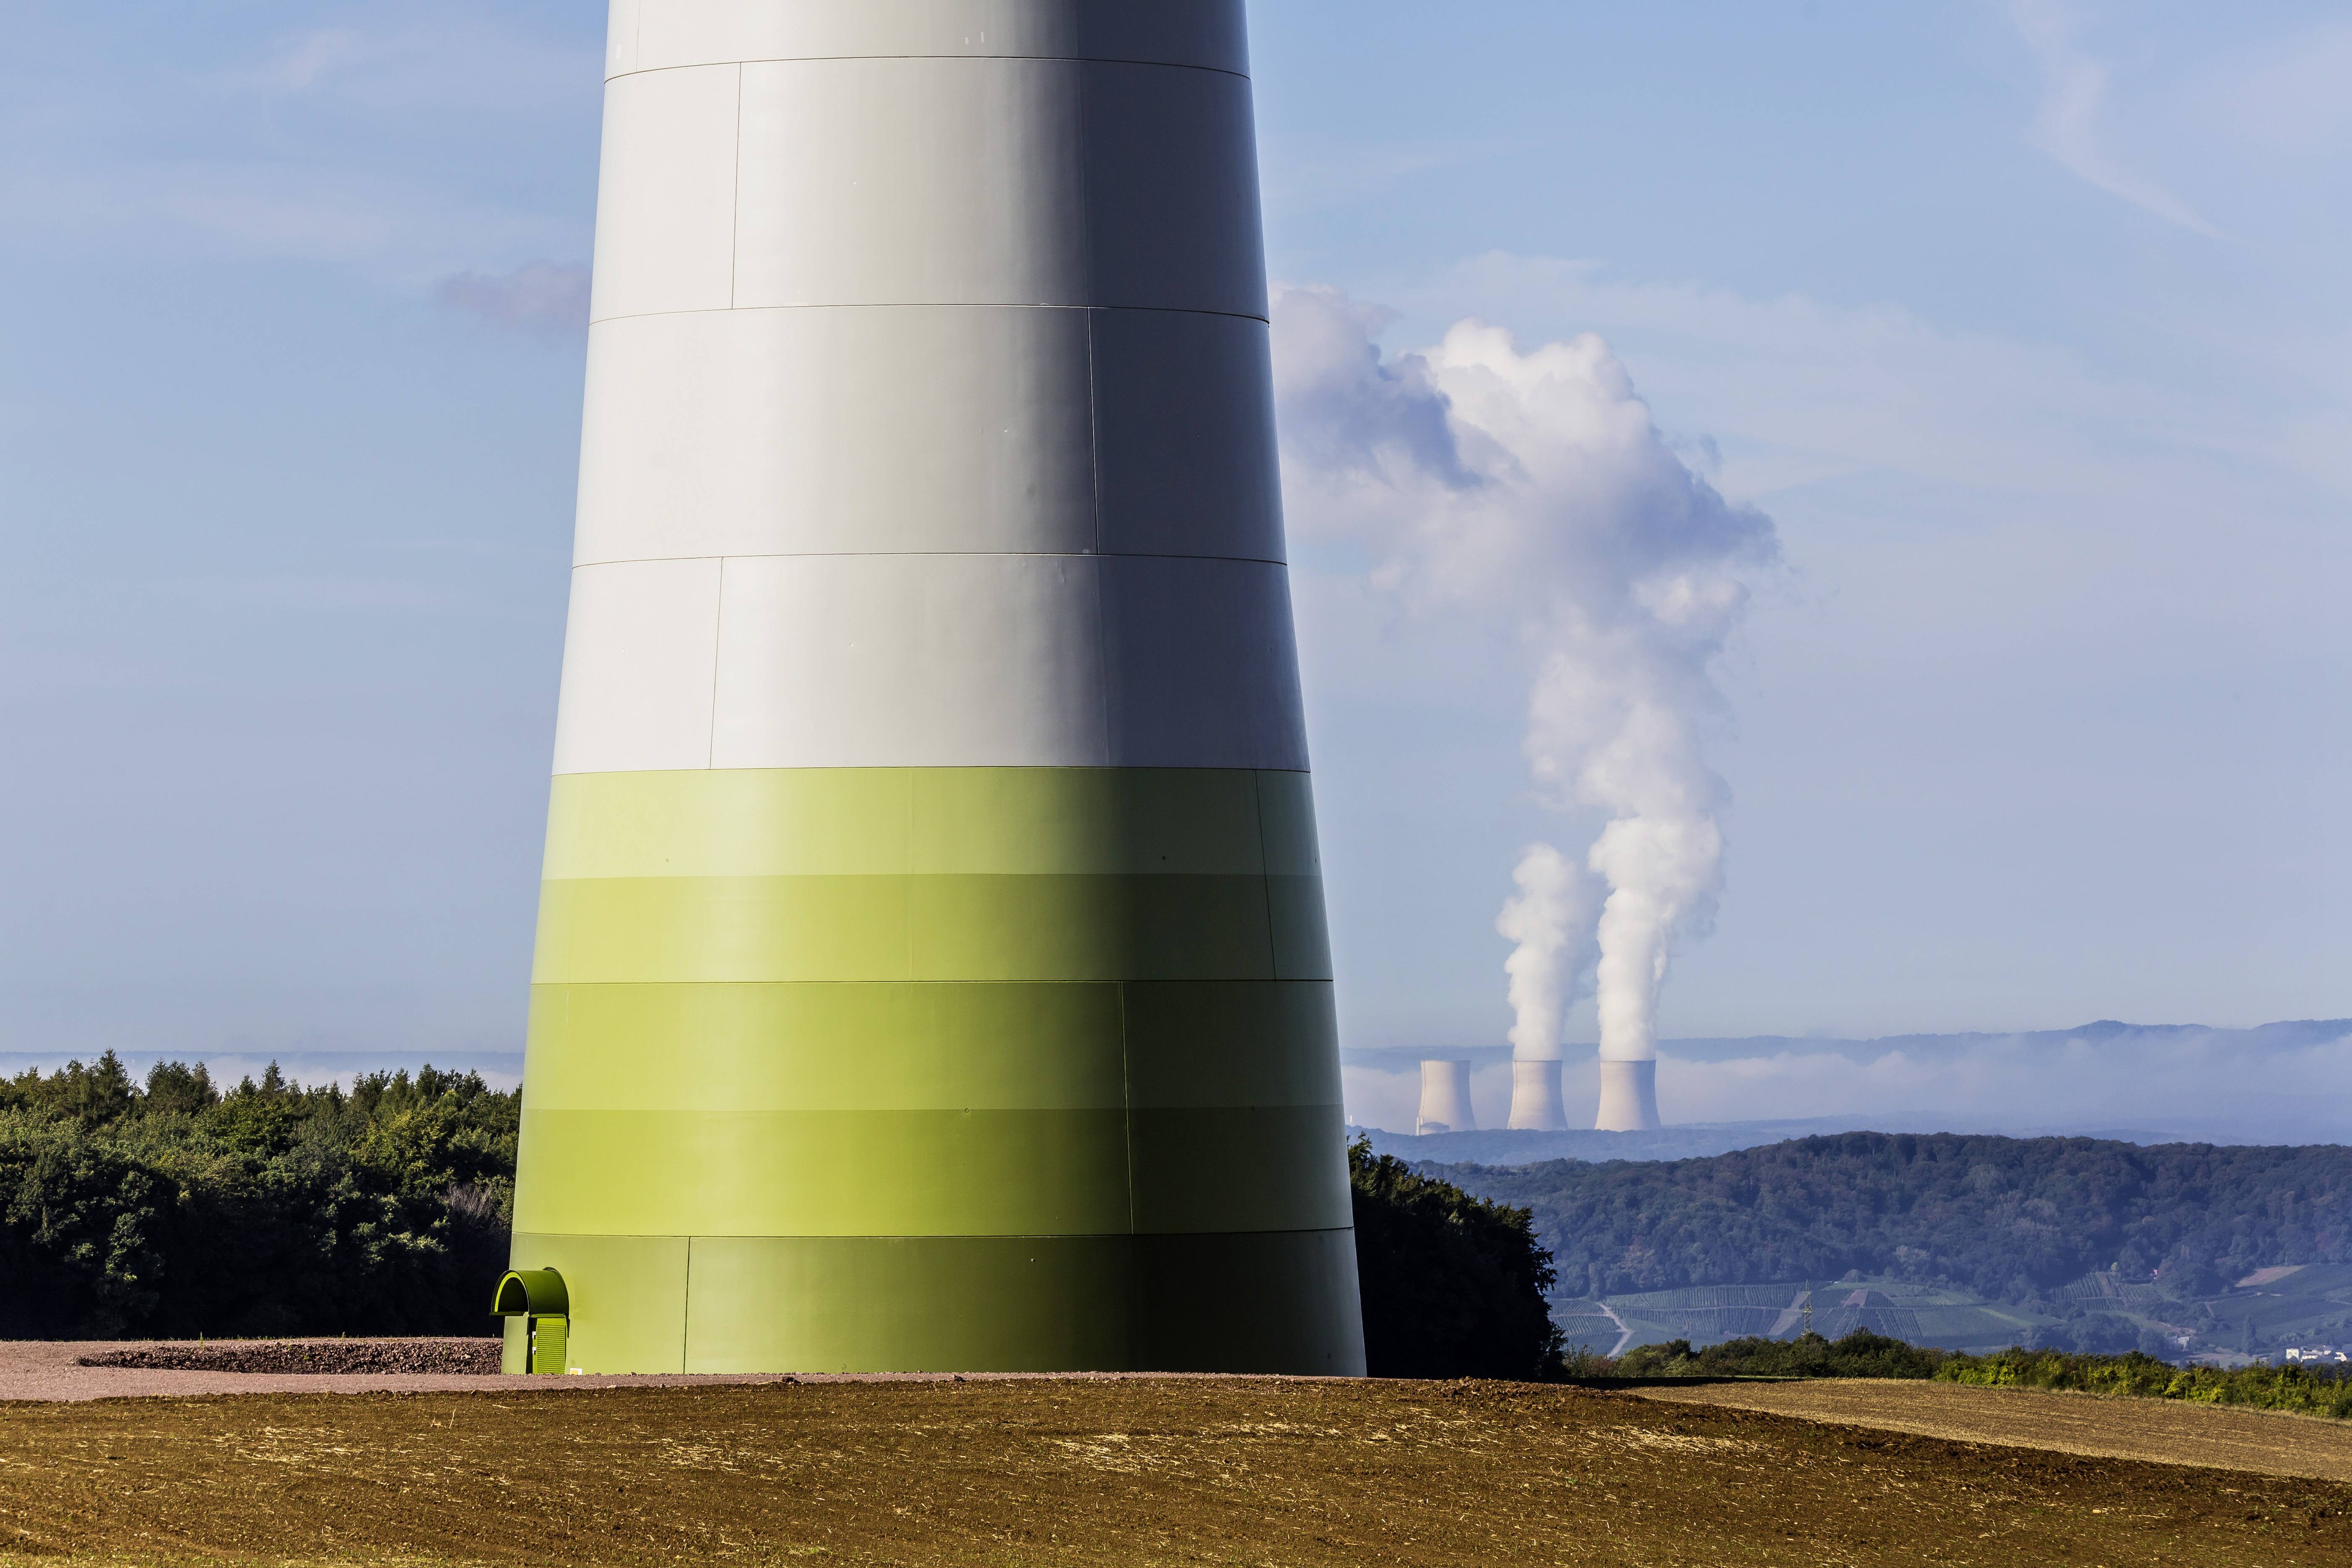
x,y
1040,1471
2118,1428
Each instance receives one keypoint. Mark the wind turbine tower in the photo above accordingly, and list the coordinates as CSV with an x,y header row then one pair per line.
x,y
931,969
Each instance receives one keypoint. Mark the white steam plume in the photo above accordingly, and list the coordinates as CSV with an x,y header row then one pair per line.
x,y
1534,488
1550,925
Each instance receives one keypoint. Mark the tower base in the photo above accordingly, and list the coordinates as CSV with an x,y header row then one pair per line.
x,y
1629,1097
1271,1301
1536,1104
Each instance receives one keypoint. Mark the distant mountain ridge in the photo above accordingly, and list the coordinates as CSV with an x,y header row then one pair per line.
x,y
2284,1034
1501,1146
2287,1034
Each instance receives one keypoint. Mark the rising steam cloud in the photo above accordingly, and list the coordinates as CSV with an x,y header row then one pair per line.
x,y
1533,488
1550,923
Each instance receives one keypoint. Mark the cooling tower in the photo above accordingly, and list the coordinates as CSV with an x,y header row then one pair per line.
x,y
1629,1097
1536,1104
1445,1099
931,970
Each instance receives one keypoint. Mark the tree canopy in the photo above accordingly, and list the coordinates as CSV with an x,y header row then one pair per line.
x,y
1453,1285
171,1208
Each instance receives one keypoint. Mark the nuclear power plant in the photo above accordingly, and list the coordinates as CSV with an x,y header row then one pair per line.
x,y
931,969
1628,1096
1535,1103
1445,1099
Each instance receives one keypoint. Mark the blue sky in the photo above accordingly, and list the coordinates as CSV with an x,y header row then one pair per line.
x,y
2024,323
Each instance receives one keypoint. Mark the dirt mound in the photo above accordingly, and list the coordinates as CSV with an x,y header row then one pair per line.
x,y
465,1357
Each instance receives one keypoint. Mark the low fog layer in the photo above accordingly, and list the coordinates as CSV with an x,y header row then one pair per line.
x,y
2281,1083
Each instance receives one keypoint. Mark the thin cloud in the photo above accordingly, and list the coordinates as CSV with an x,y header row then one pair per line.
x,y
308,62
1307,174
2286,95
2068,127
542,296
431,57
413,128
1800,391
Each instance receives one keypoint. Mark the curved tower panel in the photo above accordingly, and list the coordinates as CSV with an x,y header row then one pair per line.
x,y
931,969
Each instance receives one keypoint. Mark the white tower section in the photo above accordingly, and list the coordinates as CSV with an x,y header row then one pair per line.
x,y
895,451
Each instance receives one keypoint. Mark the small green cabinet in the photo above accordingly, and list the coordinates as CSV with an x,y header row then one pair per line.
x,y
538,1312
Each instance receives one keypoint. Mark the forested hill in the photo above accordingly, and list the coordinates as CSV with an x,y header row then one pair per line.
x,y
2005,1218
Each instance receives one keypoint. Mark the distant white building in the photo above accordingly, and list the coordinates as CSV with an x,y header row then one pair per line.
x,y
2310,1353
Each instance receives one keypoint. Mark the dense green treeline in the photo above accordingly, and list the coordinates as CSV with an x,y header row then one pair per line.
x,y
2007,1218
170,1209
2312,1390
1858,1354
1453,1285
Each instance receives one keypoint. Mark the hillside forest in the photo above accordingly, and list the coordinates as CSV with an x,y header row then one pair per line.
x,y
2075,1243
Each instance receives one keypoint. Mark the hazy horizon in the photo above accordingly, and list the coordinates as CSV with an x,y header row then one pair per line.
x,y
2272,1084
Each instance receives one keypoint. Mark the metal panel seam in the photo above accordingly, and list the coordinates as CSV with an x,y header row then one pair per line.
x,y
1244,980
910,767
954,1236
1094,434
735,207
717,644
1265,884
927,305
820,59
938,555
932,305
1126,1101
1093,437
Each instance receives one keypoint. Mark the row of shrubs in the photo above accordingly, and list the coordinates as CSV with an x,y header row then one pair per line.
x,y
2312,1390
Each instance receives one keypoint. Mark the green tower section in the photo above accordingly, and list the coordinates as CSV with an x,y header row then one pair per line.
x,y
937,1068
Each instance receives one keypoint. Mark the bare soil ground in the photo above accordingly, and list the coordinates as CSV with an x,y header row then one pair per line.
x,y
464,1358
1015,1472
2268,1442
90,1369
